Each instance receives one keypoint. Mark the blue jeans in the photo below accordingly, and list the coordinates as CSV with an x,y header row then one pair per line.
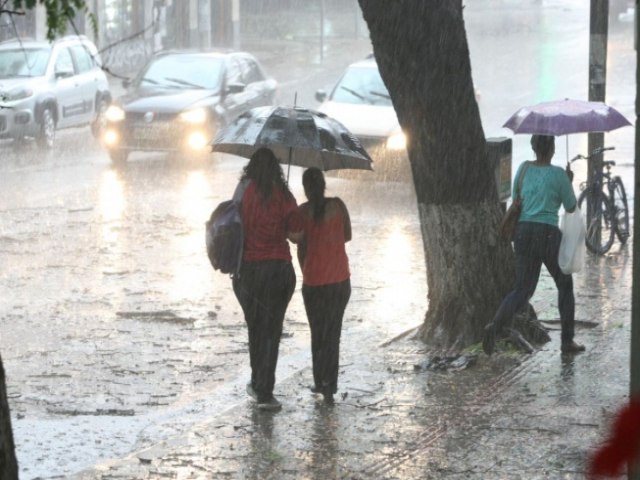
x,y
535,244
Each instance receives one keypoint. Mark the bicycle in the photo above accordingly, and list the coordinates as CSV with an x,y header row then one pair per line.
x,y
608,212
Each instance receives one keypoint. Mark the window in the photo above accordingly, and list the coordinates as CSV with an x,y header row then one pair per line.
x,y
23,62
184,71
64,62
234,72
362,85
250,71
84,62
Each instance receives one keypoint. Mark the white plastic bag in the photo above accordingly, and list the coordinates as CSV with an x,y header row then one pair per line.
x,y
572,246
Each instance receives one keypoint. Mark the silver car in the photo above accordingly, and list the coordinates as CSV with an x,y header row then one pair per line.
x,y
361,102
49,86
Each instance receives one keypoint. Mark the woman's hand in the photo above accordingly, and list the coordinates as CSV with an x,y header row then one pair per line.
x,y
569,172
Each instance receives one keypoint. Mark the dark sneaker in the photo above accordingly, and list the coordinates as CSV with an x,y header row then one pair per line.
x,y
252,393
572,347
489,339
270,404
315,389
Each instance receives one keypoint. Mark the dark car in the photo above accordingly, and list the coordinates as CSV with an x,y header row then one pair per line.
x,y
180,99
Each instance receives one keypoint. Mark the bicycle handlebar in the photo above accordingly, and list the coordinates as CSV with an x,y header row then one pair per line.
x,y
596,151
599,150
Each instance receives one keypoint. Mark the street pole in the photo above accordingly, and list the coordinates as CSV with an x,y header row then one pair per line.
x,y
321,31
634,472
235,21
598,31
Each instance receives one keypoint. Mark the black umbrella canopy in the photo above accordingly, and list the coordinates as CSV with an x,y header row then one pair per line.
x,y
297,136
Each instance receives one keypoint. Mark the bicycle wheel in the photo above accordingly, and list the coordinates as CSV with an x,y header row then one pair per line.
x,y
600,230
621,210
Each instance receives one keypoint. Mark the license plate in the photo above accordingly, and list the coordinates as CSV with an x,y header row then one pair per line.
x,y
146,133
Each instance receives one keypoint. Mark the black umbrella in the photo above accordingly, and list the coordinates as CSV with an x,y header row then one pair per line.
x,y
297,136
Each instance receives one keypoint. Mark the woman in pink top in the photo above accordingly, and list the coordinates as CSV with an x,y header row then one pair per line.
x,y
326,284
267,280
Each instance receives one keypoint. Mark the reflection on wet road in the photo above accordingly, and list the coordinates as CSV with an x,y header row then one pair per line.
x,y
106,281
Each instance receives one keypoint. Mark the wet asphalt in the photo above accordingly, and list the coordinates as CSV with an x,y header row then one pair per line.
x,y
511,415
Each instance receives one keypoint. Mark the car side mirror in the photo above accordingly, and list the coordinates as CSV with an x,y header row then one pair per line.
x,y
64,73
321,95
235,87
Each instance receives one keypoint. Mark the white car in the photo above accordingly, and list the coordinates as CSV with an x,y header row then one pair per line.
x,y
361,102
46,86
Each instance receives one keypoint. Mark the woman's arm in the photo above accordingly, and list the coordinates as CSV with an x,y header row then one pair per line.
x,y
302,252
567,195
346,220
294,227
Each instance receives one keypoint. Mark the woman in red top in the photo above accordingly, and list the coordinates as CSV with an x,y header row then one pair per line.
x,y
266,280
326,284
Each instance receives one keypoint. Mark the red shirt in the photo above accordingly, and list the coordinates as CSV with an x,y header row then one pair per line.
x,y
325,259
266,224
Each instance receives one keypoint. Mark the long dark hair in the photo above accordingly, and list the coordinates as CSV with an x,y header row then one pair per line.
x,y
264,169
314,186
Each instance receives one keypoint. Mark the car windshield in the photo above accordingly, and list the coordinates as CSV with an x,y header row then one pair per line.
x,y
361,85
24,62
184,71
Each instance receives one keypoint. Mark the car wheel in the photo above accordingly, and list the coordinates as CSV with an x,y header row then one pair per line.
x,y
100,122
46,134
118,157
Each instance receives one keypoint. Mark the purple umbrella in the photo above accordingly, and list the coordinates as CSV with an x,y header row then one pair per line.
x,y
562,117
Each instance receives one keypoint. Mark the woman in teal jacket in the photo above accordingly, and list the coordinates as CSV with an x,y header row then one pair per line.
x,y
537,240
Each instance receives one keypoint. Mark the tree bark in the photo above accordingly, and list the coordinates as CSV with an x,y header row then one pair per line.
x,y
422,53
8,462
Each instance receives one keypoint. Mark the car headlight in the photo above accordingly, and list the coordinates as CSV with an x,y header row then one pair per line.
x,y
114,114
397,141
16,94
197,140
197,115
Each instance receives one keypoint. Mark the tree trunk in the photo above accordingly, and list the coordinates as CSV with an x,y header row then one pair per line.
x,y
8,463
423,57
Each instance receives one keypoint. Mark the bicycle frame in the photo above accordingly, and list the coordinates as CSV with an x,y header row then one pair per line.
x,y
602,207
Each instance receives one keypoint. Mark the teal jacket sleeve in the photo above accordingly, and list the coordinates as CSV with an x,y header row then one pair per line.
x,y
566,191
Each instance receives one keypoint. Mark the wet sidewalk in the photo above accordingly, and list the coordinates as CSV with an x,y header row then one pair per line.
x,y
506,416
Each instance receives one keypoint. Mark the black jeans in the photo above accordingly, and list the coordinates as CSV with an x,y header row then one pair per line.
x,y
264,290
535,244
325,305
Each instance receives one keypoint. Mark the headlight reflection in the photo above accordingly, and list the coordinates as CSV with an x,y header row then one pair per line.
x,y
189,270
110,196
